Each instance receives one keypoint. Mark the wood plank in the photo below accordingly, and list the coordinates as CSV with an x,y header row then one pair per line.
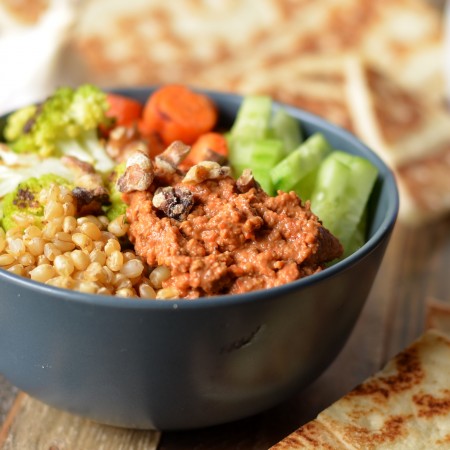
x,y
33,425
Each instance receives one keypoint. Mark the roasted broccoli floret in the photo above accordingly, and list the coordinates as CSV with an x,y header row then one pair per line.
x,y
67,123
25,199
117,206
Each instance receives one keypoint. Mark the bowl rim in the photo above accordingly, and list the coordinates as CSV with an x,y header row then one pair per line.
x,y
109,301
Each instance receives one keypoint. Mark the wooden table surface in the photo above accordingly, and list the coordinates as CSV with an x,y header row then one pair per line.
x,y
415,269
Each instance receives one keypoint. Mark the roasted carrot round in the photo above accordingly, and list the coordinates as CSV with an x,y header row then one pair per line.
x,y
210,146
125,110
178,113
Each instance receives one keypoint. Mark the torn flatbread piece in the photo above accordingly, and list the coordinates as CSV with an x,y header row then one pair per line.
x,y
404,406
411,134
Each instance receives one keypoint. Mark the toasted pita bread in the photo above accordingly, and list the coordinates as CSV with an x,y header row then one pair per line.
x,y
412,135
145,41
406,405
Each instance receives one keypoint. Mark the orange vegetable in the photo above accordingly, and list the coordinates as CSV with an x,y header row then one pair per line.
x,y
178,113
208,147
125,110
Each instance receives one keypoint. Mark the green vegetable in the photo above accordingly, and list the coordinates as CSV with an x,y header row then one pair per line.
x,y
117,206
265,153
25,199
290,173
343,186
253,117
66,123
259,141
286,128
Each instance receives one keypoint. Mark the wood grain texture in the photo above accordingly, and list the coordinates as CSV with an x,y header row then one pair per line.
x,y
33,425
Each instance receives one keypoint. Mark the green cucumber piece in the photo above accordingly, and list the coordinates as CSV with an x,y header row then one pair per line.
x,y
287,129
253,117
266,153
343,186
289,172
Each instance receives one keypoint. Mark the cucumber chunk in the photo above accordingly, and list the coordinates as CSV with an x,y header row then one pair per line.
x,y
343,186
287,129
253,117
288,174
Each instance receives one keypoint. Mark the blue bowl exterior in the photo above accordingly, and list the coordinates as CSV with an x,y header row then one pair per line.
x,y
185,364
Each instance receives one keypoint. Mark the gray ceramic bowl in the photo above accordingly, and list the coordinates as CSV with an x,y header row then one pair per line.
x,y
184,364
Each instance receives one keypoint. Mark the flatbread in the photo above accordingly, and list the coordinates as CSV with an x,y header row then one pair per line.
x,y
404,406
410,133
146,41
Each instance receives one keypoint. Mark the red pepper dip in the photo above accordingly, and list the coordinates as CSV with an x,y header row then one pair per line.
x,y
218,235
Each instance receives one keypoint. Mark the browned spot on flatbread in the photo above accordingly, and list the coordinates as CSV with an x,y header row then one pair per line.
x,y
26,11
393,429
430,406
409,373
397,111
428,180
444,440
310,434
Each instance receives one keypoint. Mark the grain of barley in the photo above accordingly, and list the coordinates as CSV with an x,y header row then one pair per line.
x,y
32,231
104,291
126,292
35,245
80,259
14,232
69,224
146,291
118,226
64,246
16,246
16,269
94,272
115,261
91,229
167,293
158,276
42,259
23,220
111,246
88,287
26,259
43,273
83,242
64,265
51,251
98,256
104,221
52,210
132,268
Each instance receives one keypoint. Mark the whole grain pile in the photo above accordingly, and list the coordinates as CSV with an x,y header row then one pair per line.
x,y
84,254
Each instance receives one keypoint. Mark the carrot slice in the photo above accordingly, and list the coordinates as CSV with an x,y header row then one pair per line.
x,y
210,146
178,113
125,110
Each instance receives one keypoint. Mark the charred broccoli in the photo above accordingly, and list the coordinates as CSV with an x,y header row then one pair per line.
x,y
67,123
25,199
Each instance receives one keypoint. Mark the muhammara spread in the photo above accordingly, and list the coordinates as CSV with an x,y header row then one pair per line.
x,y
218,235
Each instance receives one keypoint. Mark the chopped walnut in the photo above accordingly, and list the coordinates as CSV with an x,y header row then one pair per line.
x,y
138,175
206,170
89,192
246,181
175,203
169,159
124,141
90,201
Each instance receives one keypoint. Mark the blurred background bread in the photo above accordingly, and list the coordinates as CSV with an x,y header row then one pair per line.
x,y
373,67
